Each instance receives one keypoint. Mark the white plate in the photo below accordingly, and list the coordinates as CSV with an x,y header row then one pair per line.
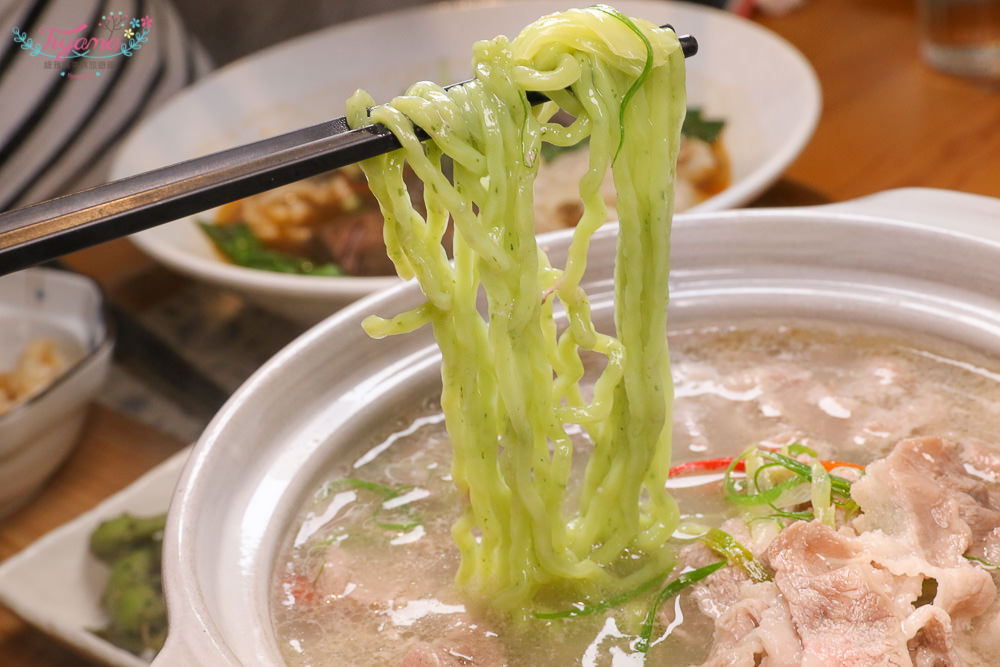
x,y
55,584
760,84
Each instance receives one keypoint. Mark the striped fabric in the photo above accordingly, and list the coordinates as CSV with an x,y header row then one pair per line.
x,y
60,120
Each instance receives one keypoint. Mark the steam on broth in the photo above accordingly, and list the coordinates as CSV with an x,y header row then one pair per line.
x,y
528,519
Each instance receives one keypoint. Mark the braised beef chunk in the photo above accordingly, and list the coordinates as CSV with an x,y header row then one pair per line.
x,y
355,244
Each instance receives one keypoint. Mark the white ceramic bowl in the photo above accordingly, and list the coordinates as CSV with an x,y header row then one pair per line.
x,y
771,103
919,260
38,434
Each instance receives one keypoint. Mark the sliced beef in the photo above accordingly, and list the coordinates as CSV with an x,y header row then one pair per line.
x,y
752,622
755,630
846,611
892,588
927,505
933,644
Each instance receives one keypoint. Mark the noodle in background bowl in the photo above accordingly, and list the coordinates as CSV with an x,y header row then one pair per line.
x,y
923,261
770,102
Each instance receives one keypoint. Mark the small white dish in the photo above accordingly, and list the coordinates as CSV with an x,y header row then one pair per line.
x,y
55,584
760,84
36,435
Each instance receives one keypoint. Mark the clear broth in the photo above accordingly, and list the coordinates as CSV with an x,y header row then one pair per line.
x,y
360,584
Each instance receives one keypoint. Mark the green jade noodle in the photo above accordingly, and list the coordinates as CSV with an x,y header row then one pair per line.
x,y
511,379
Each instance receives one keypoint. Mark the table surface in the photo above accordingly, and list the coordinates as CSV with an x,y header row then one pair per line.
x,y
888,121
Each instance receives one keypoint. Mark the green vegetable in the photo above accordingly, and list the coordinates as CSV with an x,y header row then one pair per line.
x,y
412,520
738,491
671,589
985,563
838,485
133,598
697,126
604,605
639,80
117,537
133,595
726,546
826,489
237,242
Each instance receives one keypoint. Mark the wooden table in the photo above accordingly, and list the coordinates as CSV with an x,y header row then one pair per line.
x,y
888,121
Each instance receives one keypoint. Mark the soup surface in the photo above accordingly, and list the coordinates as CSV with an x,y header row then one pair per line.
x,y
366,576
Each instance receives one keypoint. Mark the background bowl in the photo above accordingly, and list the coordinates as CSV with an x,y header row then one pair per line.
x,y
926,261
38,434
771,103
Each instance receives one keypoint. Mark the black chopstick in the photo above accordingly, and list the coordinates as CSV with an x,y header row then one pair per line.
x,y
40,232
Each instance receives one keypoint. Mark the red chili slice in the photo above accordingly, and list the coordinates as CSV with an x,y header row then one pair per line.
x,y
716,465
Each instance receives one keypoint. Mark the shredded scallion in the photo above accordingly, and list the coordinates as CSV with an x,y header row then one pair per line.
x,y
726,546
670,590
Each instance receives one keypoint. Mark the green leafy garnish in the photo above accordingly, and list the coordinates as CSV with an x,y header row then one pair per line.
x,y
697,126
838,485
237,242
827,491
669,591
604,605
985,563
643,75
387,493
726,546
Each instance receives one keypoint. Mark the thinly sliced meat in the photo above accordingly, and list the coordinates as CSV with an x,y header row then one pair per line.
x,y
927,505
753,626
933,644
756,630
846,611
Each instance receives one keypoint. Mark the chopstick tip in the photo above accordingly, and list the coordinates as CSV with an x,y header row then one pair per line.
x,y
689,45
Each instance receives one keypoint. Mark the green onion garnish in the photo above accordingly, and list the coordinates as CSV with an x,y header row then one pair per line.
x,y
643,75
726,546
604,605
669,591
985,563
386,493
